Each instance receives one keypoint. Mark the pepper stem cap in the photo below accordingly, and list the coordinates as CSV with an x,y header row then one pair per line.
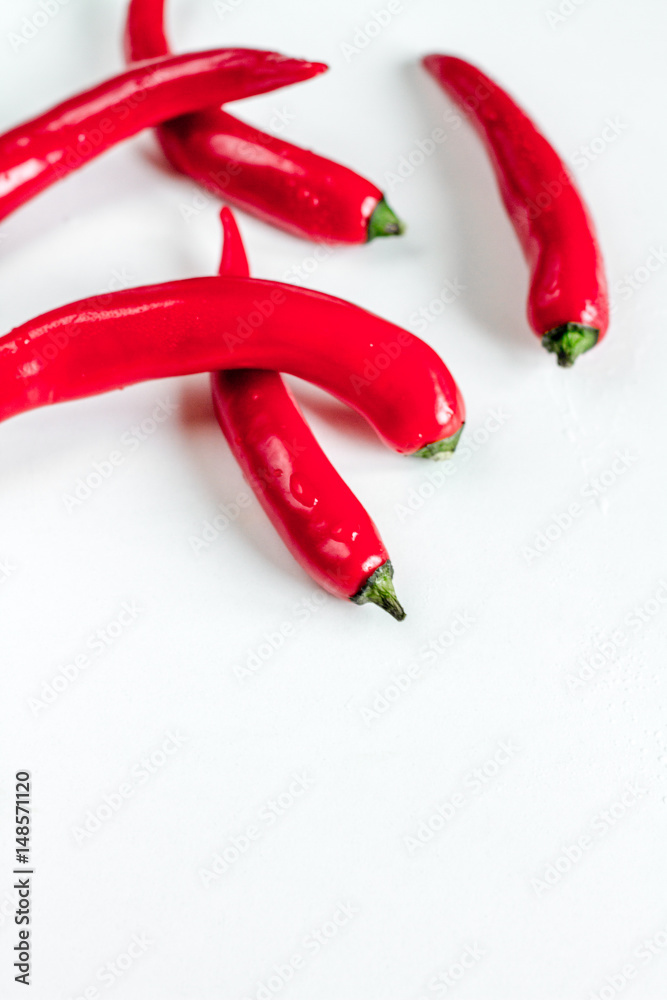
x,y
570,340
441,450
379,589
384,222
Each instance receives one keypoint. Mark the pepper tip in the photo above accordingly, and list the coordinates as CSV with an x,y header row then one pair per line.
x,y
319,67
432,63
384,222
440,450
570,340
379,589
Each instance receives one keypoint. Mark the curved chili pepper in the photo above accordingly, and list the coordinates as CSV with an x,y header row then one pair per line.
x,y
314,511
390,376
39,152
568,304
280,183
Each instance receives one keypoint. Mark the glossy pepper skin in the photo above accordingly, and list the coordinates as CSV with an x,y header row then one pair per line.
x,y
41,151
313,510
275,180
390,376
568,304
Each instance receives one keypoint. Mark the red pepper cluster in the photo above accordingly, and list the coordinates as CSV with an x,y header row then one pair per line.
x,y
245,330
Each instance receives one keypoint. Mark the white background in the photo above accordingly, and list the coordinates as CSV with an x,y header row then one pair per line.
x,y
470,550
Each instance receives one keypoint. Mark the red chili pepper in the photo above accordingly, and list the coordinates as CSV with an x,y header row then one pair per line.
x,y
568,303
390,376
283,184
314,511
39,152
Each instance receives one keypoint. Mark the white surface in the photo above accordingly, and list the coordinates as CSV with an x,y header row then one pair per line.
x,y
462,553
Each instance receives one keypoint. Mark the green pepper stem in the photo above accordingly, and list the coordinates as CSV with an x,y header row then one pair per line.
x,y
570,340
379,589
440,450
384,222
